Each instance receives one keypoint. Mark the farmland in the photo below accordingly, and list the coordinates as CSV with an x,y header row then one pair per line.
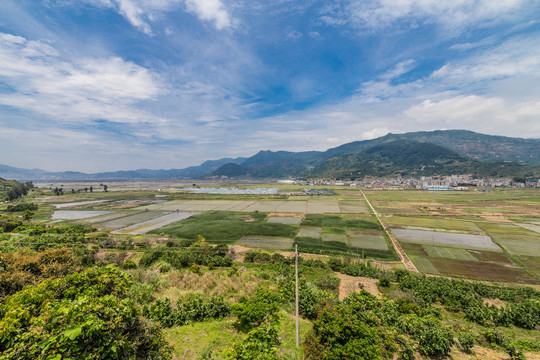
x,y
196,260
496,227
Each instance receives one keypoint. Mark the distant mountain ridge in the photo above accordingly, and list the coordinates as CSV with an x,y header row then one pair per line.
x,y
412,154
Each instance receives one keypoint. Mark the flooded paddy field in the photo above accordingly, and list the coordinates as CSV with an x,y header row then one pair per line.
x,y
78,203
152,224
130,219
76,214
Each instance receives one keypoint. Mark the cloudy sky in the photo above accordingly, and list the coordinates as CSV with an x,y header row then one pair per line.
x,y
101,85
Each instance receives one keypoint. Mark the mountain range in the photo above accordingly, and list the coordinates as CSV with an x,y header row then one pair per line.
x,y
423,153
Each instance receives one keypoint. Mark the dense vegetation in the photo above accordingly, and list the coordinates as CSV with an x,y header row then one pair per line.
x,y
12,189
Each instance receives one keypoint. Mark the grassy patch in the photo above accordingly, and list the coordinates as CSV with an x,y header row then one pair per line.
x,y
191,341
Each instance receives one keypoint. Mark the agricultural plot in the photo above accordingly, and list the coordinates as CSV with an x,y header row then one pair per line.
x,y
490,256
107,217
291,220
480,270
281,206
395,207
266,242
311,232
293,207
366,241
352,207
449,253
78,203
342,238
129,220
424,265
264,206
146,226
322,207
532,227
76,214
227,226
465,241
516,240
434,223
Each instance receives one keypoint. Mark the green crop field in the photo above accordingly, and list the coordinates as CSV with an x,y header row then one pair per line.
x,y
435,223
227,226
312,232
515,239
269,243
367,242
449,253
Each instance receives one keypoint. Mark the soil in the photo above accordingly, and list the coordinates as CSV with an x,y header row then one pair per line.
x,y
494,302
354,284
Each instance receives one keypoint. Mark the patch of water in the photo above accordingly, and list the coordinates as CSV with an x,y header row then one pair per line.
x,y
76,214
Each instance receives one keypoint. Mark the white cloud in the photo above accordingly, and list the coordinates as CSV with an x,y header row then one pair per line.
x,y
451,14
481,113
140,13
210,10
91,88
401,68
516,57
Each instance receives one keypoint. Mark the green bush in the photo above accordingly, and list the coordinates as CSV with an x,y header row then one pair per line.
x,y
82,316
260,308
434,338
22,207
466,340
260,344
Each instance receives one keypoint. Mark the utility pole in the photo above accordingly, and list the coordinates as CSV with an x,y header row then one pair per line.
x,y
296,300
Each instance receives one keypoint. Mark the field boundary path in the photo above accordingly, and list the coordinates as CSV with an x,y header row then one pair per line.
x,y
399,250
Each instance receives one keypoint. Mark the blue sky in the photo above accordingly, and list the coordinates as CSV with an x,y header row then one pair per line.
x,y
102,85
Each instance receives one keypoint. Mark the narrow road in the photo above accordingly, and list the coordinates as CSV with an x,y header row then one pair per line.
x,y
399,250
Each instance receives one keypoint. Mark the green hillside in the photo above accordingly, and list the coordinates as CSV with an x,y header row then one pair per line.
x,y
12,189
412,158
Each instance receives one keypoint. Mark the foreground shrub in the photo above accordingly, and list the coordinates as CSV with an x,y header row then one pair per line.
x,y
260,344
82,316
252,312
27,267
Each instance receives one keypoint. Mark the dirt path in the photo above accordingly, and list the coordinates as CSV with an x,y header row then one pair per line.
x,y
354,284
399,250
